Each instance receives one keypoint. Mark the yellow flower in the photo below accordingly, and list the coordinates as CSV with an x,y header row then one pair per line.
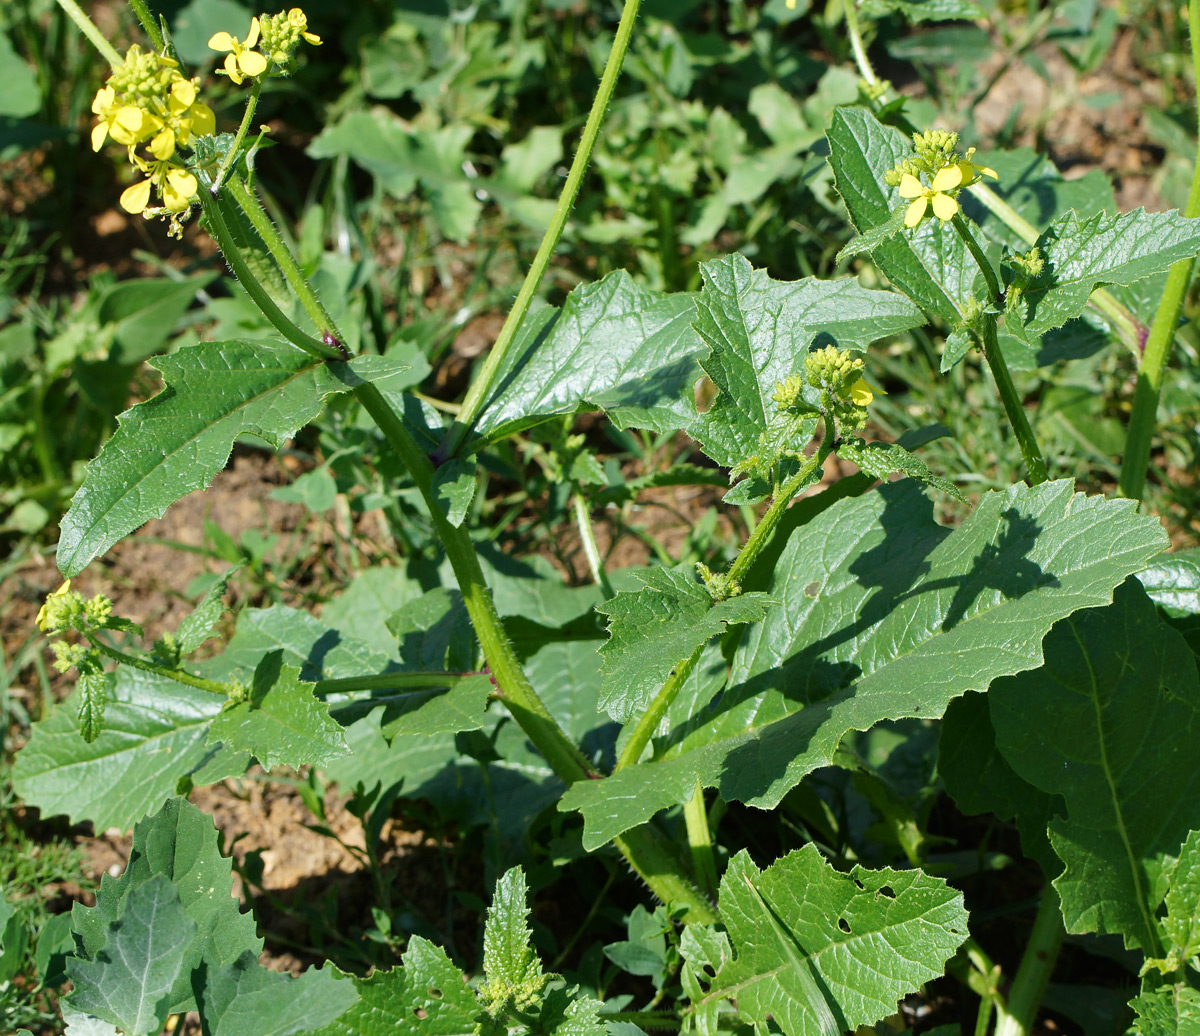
x,y
299,19
126,123
971,172
936,194
862,393
240,60
42,624
176,185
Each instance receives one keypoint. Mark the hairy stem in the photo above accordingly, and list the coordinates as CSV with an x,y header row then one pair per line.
x,y
651,857
1143,419
482,385
248,201
1016,1016
244,127
648,722
981,260
149,25
1012,401
865,68
146,666
93,34
241,269
413,683
695,817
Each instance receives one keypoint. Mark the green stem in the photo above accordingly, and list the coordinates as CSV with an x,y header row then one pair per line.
x,y
248,202
587,536
645,1019
981,260
477,395
178,675
651,857
1131,330
1012,402
1146,396
1016,1016
279,320
695,817
648,722
93,34
866,70
149,25
232,154
410,682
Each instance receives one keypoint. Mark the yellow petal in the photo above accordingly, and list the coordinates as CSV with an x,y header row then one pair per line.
x,y
947,178
162,146
99,135
231,68
252,62
987,172
298,18
253,37
910,186
315,40
179,190
135,199
183,94
860,393
915,211
104,99
204,122
221,41
944,207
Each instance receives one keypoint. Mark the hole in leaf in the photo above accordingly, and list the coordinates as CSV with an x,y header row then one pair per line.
x,y
844,925
420,1014
812,589
435,993
859,885
886,892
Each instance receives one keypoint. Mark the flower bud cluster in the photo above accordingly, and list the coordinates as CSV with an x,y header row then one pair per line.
x,y
837,376
148,104
936,160
1026,268
276,37
68,610
720,585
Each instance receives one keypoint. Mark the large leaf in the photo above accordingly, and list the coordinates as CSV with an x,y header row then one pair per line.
x,y
1110,723
280,722
176,846
425,996
155,735
884,614
759,331
177,441
129,979
818,951
615,346
657,627
930,264
1082,255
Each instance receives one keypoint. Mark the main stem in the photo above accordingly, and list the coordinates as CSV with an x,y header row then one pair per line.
x,y
1146,395
482,385
1016,1016
652,858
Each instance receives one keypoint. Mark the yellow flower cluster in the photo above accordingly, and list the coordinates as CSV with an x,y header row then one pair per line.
x,y
942,192
147,102
277,35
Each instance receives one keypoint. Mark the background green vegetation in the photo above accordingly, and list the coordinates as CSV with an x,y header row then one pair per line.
x,y
414,159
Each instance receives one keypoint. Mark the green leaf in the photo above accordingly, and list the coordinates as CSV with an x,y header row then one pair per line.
x,y
178,844
653,629
130,977
930,264
177,441
1181,926
1082,255
145,312
759,331
244,997
198,625
454,487
1173,582
818,952
871,239
282,723
155,735
21,94
360,612
615,346
426,996
926,10
883,615
92,691
1109,723
440,710
514,978
1171,1010
880,459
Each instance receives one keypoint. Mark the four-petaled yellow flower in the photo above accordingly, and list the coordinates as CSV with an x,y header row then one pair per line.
x,y
176,185
125,123
241,60
936,194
